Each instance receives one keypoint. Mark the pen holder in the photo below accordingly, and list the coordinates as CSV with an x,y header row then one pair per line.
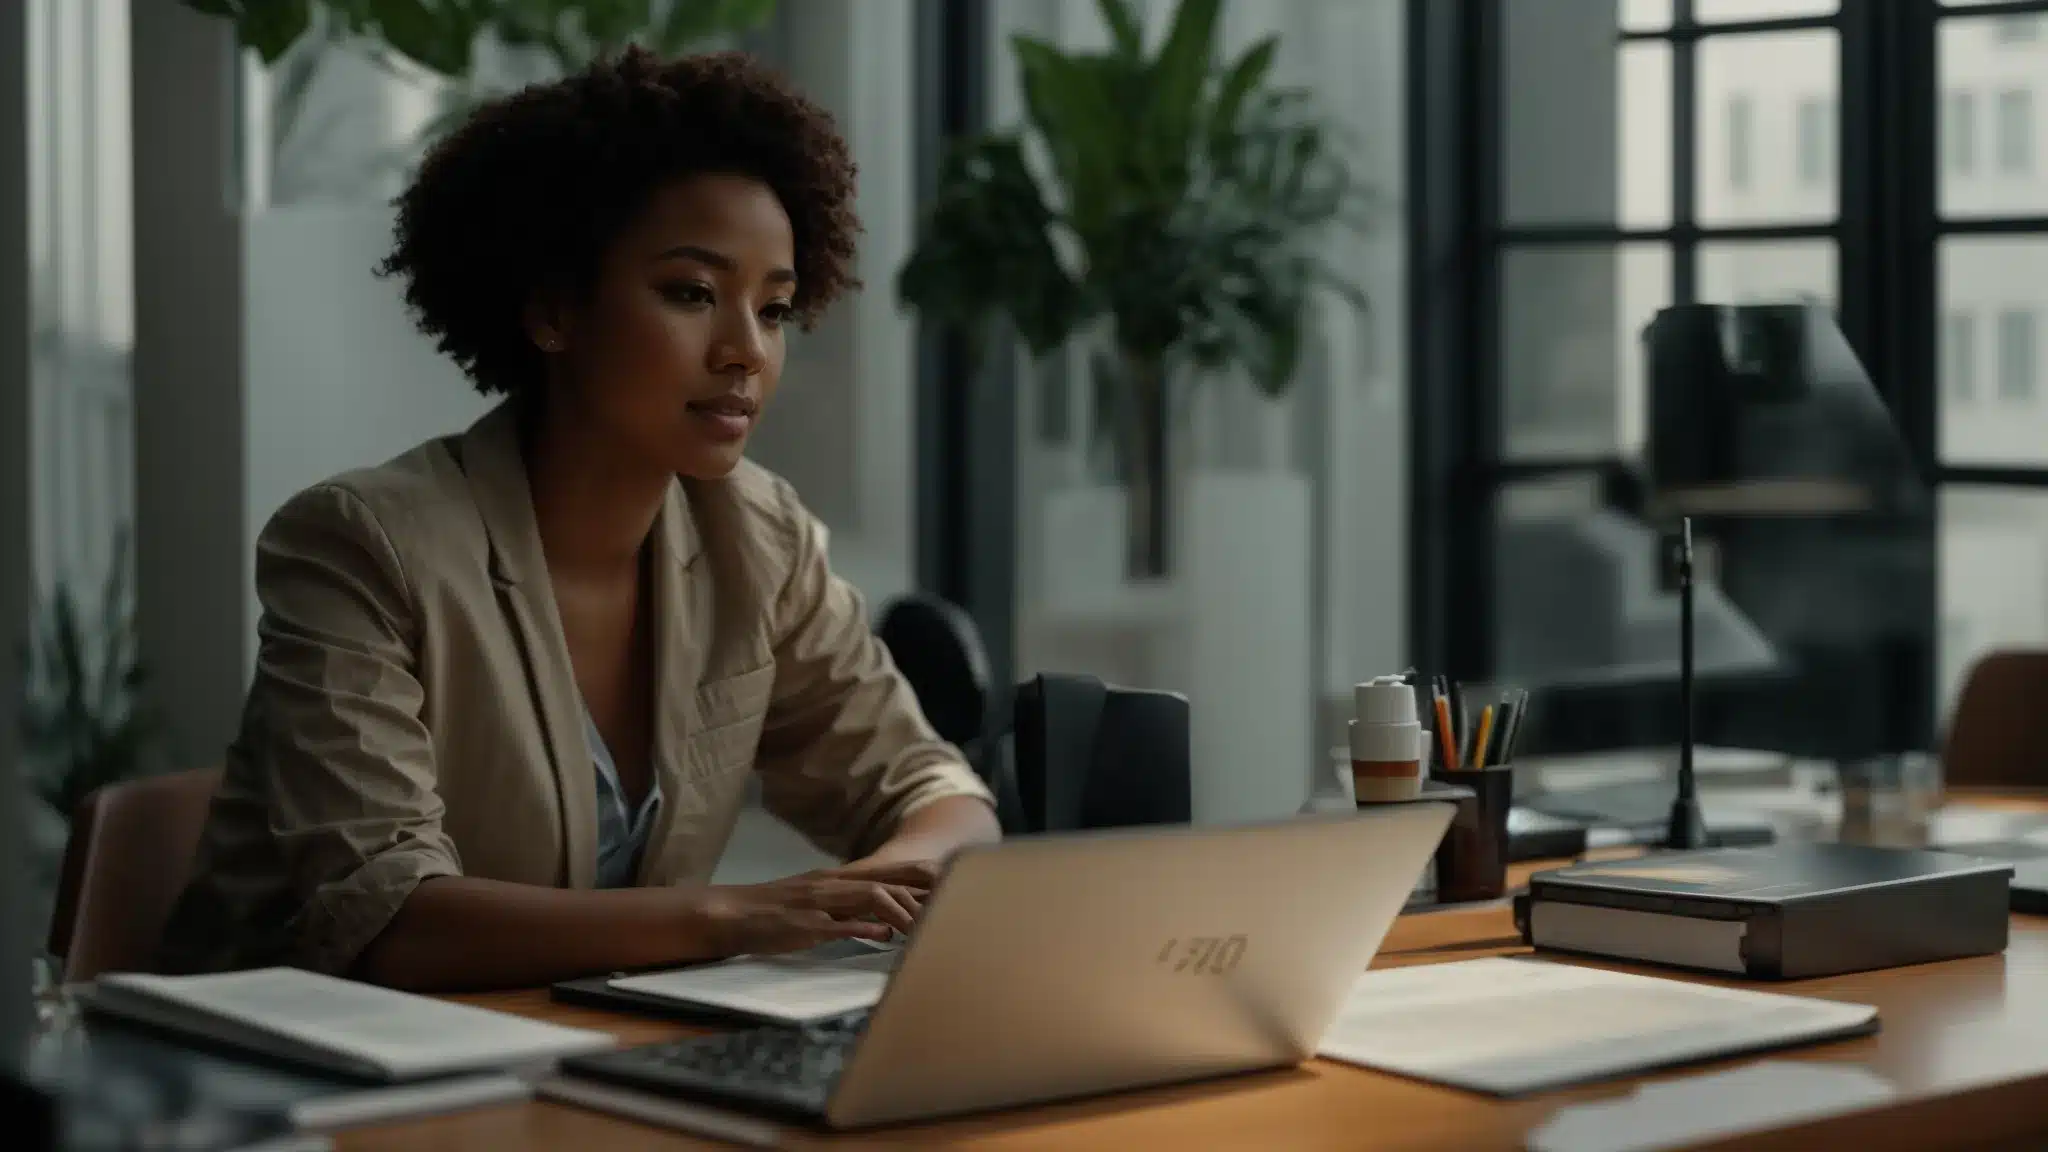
x,y
1472,860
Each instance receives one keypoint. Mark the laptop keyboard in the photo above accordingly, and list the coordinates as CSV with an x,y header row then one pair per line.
x,y
788,1068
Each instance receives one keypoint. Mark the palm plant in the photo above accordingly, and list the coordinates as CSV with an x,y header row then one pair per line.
x,y
1188,205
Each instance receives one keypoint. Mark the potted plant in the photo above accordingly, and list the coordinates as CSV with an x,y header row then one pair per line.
x,y
1184,209
84,723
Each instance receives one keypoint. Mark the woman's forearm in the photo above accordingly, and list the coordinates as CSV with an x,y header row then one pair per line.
x,y
939,829
456,933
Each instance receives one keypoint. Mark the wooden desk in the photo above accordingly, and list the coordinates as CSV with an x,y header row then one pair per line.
x,y
1965,1043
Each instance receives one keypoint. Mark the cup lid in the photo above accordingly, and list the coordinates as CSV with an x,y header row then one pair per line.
x,y
1384,700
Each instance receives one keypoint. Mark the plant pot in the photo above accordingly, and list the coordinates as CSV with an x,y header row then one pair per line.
x,y
1134,391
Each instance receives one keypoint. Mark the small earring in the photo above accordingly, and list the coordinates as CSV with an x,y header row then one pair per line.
x,y
550,344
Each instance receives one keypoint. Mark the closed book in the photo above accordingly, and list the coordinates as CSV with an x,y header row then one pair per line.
x,y
1785,912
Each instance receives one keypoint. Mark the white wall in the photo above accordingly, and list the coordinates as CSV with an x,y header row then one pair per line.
x,y
337,376
842,426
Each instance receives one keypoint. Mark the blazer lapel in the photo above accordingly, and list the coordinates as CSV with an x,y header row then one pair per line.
x,y
497,480
682,616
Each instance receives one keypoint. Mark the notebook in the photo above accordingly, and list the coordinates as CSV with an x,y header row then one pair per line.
x,y
337,1025
1507,1027
801,988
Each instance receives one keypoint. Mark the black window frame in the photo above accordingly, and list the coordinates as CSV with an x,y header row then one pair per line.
x,y
1889,232
966,443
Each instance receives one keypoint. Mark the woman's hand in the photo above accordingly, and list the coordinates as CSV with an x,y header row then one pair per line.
x,y
865,902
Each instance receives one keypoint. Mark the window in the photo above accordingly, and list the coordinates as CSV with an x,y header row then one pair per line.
x,y
1739,129
1959,131
1959,354
1815,119
2019,28
2016,354
2016,132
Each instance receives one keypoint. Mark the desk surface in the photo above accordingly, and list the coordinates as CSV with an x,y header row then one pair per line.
x,y
1965,1043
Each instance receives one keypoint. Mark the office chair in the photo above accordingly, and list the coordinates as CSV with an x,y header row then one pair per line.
x,y
938,649
2000,724
1087,755
129,855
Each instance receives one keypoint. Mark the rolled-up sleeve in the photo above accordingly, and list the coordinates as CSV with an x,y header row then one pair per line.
x,y
845,751
345,760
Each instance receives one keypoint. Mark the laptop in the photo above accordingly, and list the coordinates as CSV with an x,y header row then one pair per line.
x,y
1056,967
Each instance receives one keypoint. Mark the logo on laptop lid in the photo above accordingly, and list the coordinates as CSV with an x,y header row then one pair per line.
x,y
1203,955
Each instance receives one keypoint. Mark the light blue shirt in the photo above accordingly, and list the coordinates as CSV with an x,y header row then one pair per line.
x,y
621,834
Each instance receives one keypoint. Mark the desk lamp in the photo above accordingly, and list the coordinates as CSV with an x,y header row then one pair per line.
x,y
1756,410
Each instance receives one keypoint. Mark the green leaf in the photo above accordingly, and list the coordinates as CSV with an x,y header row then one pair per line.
x,y
1245,75
611,24
271,27
1124,30
690,22
1179,76
438,38
986,250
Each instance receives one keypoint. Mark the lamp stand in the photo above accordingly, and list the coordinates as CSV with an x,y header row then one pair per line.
x,y
1687,829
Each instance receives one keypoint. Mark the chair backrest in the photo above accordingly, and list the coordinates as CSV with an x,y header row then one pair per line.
x,y
1090,755
128,858
2000,726
937,647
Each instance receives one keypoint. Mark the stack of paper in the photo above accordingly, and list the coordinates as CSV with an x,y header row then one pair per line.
x,y
1511,1026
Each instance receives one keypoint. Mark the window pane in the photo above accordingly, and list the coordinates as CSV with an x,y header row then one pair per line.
x,y
1767,127
1992,407
1991,124
1709,11
1815,143
1767,272
1959,132
1959,357
1565,72
1570,357
1739,135
1645,15
1994,578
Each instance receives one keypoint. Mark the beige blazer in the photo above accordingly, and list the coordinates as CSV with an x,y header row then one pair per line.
x,y
414,712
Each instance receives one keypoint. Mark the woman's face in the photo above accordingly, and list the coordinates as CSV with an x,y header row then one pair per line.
x,y
680,344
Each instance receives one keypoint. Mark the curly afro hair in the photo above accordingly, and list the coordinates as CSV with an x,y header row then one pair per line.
x,y
521,202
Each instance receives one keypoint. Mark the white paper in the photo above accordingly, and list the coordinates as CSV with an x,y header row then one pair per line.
x,y
1509,1026
1685,1112
794,989
1687,941
399,1034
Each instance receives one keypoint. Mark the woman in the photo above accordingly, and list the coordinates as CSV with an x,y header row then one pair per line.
x,y
511,684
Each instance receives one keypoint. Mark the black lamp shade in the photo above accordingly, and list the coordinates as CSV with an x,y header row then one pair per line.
x,y
1764,409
